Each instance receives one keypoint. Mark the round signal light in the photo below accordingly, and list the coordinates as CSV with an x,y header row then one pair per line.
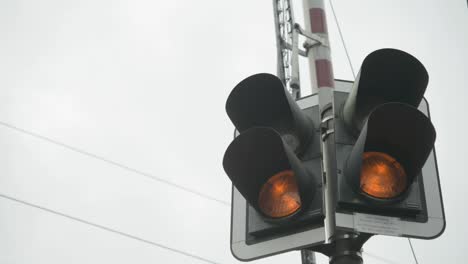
x,y
382,176
279,196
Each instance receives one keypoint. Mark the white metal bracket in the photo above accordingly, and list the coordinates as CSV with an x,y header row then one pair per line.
x,y
313,40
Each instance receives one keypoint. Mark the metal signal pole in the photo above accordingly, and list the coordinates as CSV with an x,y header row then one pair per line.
x,y
323,82
341,247
308,257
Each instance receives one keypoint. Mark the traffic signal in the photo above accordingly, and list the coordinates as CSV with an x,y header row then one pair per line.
x,y
382,139
274,161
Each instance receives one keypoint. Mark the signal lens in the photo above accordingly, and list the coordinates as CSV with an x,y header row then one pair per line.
x,y
382,176
279,196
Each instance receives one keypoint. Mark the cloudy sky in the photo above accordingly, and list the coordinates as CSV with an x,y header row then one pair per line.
x,y
112,122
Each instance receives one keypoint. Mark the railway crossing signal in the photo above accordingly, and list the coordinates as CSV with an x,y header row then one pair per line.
x,y
387,179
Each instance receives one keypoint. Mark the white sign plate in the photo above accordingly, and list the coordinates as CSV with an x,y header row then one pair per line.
x,y
377,224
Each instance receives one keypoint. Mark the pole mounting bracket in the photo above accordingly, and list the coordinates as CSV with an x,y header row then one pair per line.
x,y
343,245
313,40
326,123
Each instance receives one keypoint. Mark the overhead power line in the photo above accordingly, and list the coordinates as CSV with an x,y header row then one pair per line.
x,y
342,39
381,259
412,250
108,229
113,163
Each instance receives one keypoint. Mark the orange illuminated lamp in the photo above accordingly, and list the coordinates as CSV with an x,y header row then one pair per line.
x,y
279,196
382,176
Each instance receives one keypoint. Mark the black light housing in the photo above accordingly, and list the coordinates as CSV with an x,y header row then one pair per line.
x,y
258,154
274,161
396,129
382,139
262,101
386,75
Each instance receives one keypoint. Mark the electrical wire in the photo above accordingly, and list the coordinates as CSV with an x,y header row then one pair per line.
x,y
412,250
354,75
108,229
113,163
381,259
155,178
342,39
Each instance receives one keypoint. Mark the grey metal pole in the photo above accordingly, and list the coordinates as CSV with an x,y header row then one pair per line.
x,y
286,46
341,247
322,82
345,250
308,257
321,72
279,44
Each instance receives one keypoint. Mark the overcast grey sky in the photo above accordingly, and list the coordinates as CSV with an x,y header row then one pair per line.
x,y
143,84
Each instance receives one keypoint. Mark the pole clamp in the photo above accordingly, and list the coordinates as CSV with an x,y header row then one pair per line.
x,y
313,40
326,126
